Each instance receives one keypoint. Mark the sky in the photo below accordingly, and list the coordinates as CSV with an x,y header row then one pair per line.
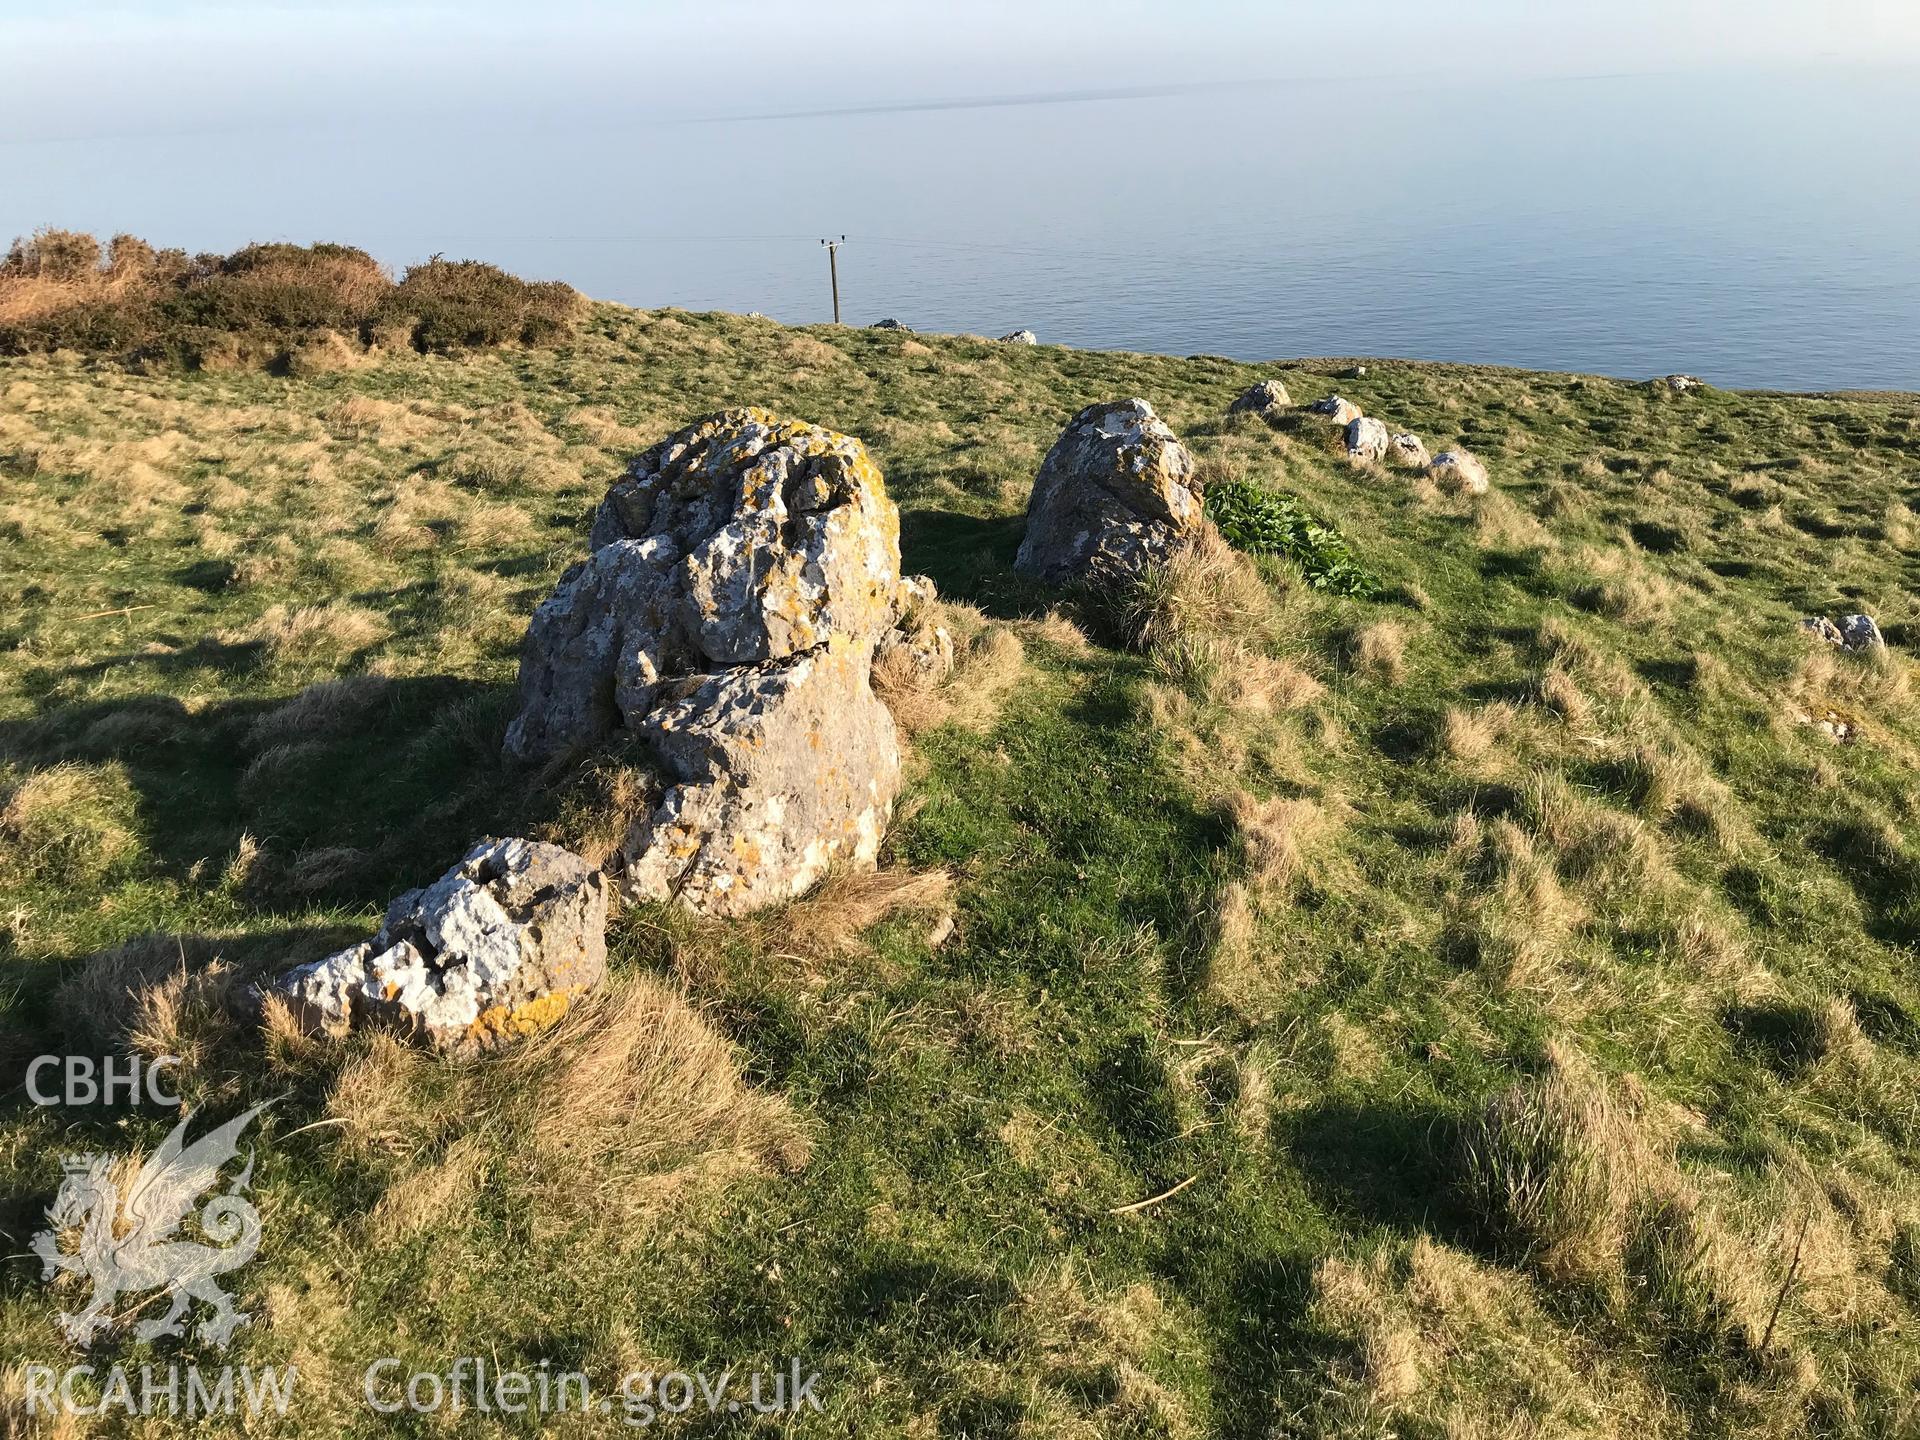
x,y
82,69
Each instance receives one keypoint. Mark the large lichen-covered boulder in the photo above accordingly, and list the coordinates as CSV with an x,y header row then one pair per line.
x,y
1115,494
743,573
497,948
778,771
743,538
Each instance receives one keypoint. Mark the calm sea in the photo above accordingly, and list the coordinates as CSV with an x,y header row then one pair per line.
x,y
1755,229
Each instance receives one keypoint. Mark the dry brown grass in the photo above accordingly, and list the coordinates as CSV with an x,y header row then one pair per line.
x,y
626,1105
1553,1164
1471,736
850,902
1380,651
68,823
1275,838
306,634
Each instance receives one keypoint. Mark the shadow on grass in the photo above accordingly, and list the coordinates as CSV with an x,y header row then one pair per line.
x,y
971,558
1383,1164
373,793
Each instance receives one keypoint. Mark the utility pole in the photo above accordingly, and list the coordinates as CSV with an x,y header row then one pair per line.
x,y
833,268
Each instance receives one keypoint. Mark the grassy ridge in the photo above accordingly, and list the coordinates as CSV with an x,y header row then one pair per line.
x,y
1509,970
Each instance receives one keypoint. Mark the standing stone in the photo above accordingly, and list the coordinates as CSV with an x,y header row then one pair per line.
x,y
1115,494
1267,398
741,576
1366,440
743,538
1409,450
1459,472
497,948
1336,408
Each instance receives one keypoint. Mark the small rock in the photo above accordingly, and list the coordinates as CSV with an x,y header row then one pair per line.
x,y
1681,384
1115,494
1357,372
1459,472
1020,337
1366,440
1266,398
1409,450
890,324
1858,632
497,948
1336,408
941,931
917,652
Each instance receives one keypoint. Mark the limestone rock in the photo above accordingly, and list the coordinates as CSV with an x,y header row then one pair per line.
x,y
495,949
1459,472
1336,408
1366,440
743,574
1857,633
918,651
1115,494
744,538
778,770
1408,450
1269,397
1020,337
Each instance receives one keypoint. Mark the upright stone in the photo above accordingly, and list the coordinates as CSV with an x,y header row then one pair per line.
x,y
1115,494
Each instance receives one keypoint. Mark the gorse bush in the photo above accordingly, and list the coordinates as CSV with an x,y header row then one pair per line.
x,y
1265,522
273,304
468,304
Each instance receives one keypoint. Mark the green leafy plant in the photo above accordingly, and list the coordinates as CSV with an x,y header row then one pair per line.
x,y
1265,522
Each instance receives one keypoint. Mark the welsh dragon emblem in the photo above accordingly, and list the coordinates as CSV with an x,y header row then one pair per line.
x,y
128,1243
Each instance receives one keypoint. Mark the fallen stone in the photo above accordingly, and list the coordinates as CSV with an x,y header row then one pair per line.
x,y
1020,337
1409,450
1268,397
1459,472
743,574
1682,384
1115,494
1336,408
1366,440
496,949
890,324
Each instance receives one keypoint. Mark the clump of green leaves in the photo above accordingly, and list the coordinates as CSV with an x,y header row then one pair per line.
x,y
1265,522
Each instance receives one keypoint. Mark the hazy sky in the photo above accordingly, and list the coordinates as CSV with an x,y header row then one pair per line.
x,y
78,68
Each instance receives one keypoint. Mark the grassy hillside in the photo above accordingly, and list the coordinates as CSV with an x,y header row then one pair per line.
x,y
1510,974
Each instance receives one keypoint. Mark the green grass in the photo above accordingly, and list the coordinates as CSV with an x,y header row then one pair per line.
x,y
1272,911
